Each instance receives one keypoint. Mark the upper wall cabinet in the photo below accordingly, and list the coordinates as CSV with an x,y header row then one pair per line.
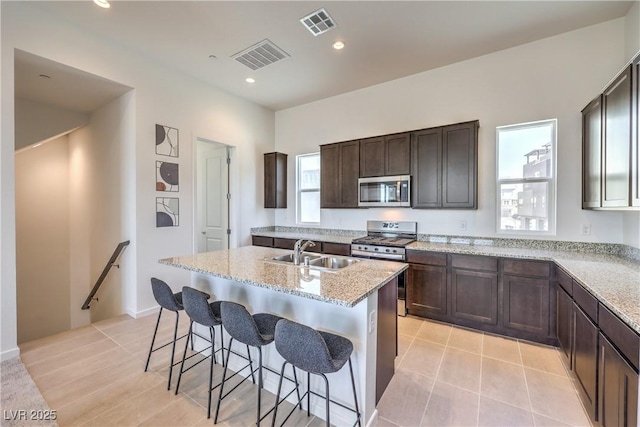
x,y
610,160
385,155
591,154
445,167
275,180
339,174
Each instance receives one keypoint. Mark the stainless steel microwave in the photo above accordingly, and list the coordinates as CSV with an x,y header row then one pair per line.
x,y
385,191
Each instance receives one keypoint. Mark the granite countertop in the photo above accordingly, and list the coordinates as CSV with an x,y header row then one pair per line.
x,y
613,280
345,287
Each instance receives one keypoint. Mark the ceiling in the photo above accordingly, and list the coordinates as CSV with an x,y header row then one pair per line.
x,y
384,40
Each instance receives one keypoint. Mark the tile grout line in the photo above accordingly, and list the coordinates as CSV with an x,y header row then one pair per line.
x,y
526,385
435,379
480,380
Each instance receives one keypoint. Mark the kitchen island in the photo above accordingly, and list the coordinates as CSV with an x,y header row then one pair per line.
x,y
358,302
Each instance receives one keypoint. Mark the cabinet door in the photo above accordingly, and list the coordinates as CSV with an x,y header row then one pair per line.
x,y
459,165
427,290
474,296
618,388
329,176
592,154
349,172
372,157
426,168
336,248
279,242
564,324
397,154
275,180
616,150
262,241
585,358
526,304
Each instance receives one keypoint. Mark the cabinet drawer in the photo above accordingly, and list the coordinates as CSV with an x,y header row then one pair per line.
x,y
586,301
336,248
621,335
474,262
424,257
564,280
262,241
526,268
283,243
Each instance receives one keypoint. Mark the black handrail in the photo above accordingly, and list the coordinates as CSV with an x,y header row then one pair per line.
x,y
107,267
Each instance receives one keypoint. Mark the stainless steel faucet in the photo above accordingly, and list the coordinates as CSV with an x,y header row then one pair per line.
x,y
298,248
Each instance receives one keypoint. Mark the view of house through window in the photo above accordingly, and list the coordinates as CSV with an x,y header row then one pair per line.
x,y
308,188
526,177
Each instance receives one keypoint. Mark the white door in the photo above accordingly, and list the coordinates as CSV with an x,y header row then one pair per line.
x,y
213,202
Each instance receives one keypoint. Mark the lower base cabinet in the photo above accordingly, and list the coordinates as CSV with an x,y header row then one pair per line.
x,y
618,388
585,358
564,324
427,291
474,296
526,304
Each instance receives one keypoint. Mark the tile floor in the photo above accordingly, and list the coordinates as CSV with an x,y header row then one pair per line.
x,y
446,376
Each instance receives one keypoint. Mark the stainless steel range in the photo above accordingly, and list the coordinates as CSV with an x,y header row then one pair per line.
x,y
387,240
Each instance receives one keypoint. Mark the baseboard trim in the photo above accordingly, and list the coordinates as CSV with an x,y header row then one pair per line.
x,y
10,354
143,313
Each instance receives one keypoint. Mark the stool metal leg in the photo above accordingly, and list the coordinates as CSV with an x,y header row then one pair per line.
x,y
355,397
275,408
153,340
213,360
184,355
259,385
308,394
224,376
295,378
326,382
173,350
253,379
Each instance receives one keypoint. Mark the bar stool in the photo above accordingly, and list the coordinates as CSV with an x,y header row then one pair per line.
x,y
252,330
201,311
166,299
315,352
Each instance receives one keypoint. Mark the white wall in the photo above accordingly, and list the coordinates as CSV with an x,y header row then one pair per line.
x,y
36,122
42,226
161,96
550,78
632,31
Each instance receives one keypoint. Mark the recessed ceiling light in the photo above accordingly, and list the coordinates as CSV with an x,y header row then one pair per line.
x,y
102,3
250,80
338,45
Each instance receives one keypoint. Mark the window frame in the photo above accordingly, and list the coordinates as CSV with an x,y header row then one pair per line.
x,y
299,189
552,181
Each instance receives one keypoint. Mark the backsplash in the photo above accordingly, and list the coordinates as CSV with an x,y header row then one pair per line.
x,y
624,251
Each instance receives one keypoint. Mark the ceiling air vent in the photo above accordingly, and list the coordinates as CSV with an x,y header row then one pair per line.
x,y
260,55
318,22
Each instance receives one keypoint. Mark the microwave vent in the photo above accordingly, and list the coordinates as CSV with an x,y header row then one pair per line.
x,y
260,55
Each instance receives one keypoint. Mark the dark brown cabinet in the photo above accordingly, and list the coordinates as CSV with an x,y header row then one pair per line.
x,y
275,180
427,294
564,324
610,153
585,358
592,154
617,388
385,155
526,296
262,241
284,243
473,282
387,333
339,171
616,147
444,167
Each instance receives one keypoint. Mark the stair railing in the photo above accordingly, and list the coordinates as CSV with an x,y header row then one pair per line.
x,y
103,275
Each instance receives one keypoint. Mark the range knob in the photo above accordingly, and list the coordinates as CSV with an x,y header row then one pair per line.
x,y
387,250
375,249
395,250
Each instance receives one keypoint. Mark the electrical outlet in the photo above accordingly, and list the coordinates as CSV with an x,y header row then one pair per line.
x,y
586,229
463,225
372,321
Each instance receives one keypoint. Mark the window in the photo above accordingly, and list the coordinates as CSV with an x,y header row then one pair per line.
x,y
526,178
308,188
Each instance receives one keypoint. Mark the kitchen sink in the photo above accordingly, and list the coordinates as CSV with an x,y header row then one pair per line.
x,y
317,262
332,262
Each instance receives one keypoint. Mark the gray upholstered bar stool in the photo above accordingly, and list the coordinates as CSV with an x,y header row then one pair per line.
x,y
201,311
167,300
315,352
252,330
